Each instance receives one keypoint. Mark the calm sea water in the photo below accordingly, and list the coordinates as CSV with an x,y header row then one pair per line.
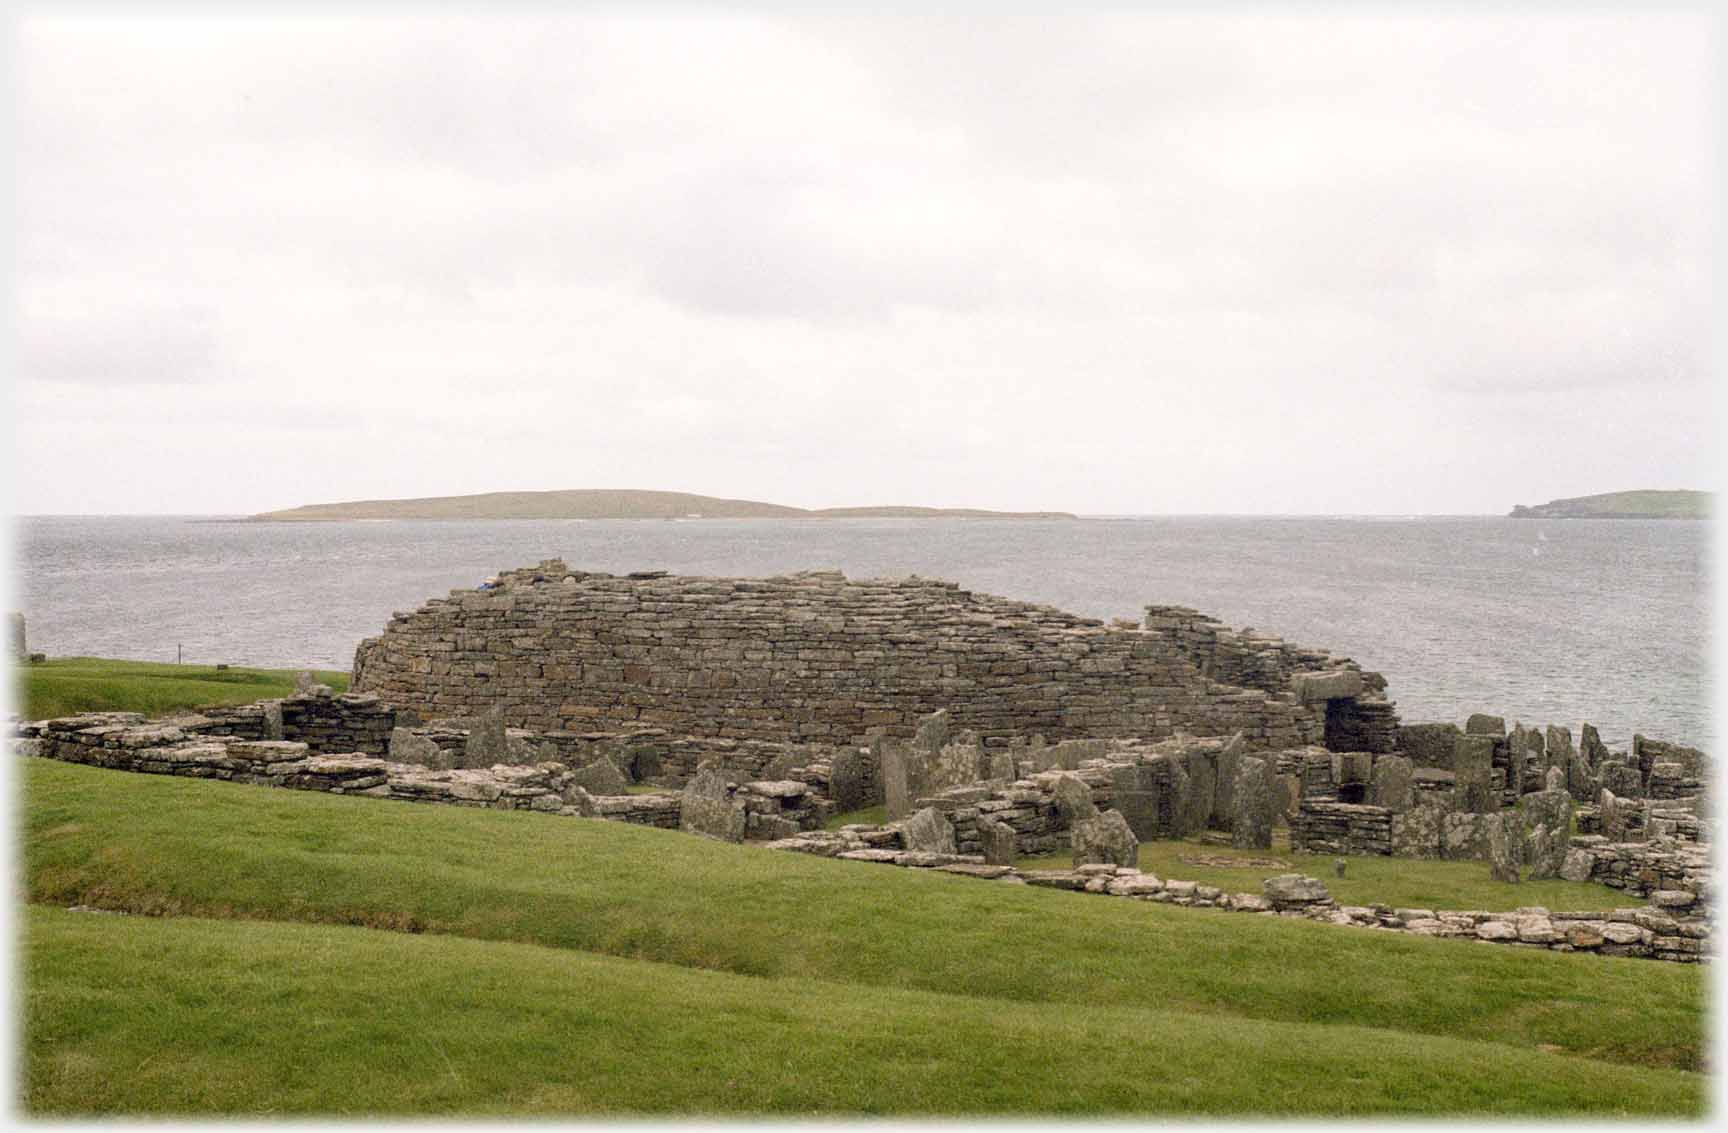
x,y
1545,621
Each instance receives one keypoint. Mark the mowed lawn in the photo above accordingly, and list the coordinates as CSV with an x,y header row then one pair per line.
x,y
826,982
69,685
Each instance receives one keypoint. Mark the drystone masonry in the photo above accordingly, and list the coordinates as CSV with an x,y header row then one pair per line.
x,y
818,658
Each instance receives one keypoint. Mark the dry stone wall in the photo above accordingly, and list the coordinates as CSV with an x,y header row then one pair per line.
x,y
810,658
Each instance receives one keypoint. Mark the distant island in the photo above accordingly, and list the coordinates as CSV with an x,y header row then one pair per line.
x,y
606,503
1623,505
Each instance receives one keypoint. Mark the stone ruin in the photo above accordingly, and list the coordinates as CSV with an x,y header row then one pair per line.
x,y
16,645
573,694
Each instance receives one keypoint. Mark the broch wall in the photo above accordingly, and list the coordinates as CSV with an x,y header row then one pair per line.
x,y
815,657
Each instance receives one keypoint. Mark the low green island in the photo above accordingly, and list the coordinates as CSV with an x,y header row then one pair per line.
x,y
1643,504
607,503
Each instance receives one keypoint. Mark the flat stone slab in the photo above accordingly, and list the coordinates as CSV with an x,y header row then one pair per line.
x,y
778,788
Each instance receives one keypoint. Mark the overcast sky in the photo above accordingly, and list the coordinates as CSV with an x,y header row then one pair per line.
x,y
1340,262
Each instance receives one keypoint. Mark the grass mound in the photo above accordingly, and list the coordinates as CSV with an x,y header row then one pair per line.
x,y
70,685
200,848
127,1014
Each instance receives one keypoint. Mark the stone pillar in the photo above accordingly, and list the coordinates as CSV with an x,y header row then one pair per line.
x,y
1105,838
706,807
1473,764
1391,783
848,780
1252,804
15,637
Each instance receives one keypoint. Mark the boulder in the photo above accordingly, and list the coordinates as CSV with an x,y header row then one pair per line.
x,y
1073,798
408,747
487,742
998,841
1288,889
601,777
1105,838
706,807
929,831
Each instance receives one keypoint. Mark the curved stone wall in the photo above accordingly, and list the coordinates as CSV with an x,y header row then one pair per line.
x,y
809,657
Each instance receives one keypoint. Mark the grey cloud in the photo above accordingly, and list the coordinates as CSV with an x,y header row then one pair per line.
x,y
119,345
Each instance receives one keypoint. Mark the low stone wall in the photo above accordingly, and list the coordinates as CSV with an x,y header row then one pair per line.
x,y
1340,828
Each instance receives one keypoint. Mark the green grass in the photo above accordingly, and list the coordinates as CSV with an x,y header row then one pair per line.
x,y
870,815
69,685
185,1016
1407,883
200,848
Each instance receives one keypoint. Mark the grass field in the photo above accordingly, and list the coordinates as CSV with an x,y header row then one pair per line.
x,y
1399,882
514,962
69,685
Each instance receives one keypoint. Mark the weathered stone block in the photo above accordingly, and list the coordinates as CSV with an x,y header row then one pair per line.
x,y
1391,783
601,777
1253,804
706,807
1105,838
929,831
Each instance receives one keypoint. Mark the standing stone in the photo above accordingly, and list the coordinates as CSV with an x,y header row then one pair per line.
x,y
780,767
1149,795
999,842
895,768
487,742
1002,767
1289,796
706,807
1224,781
1551,812
1473,764
1252,804
1073,798
1555,780
1503,850
20,648
1069,753
406,747
1199,800
932,733
272,720
1539,854
929,831
1391,783
601,777
1590,745
848,780
959,763
1105,838
304,683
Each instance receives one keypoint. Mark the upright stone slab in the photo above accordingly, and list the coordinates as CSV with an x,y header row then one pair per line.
x,y
1473,763
848,780
273,720
1554,780
1590,745
1418,831
780,767
1429,745
1539,854
895,767
706,807
932,732
1073,798
1068,754
1551,811
1391,783
1252,804
1503,839
1149,796
406,747
959,763
1003,767
929,831
1224,782
998,841
1105,838
487,743
601,777
16,643
1201,796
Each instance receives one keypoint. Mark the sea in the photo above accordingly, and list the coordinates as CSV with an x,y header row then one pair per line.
x,y
1539,621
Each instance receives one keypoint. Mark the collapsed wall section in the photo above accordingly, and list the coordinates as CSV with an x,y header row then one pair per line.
x,y
811,657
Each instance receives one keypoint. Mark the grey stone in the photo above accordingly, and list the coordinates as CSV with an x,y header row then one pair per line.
x,y
272,720
999,842
1482,724
706,807
1253,803
1550,811
1198,801
1473,763
1295,889
1622,779
487,742
1590,746
1068,753
1429,745
929,831
780,767
1391,783
932,732
895,767
1504,846
848,780
1073,798
601,777
407,747
1539,855
1002,766
1105,838
1554,780
1224,782
18,647
1334,684
1577,865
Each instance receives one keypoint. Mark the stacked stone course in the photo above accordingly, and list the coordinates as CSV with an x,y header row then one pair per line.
x,y
815,658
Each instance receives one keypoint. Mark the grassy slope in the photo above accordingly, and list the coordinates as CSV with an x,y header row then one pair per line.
x,y
203,848
1641,503
1399,882
69,685
250,1018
